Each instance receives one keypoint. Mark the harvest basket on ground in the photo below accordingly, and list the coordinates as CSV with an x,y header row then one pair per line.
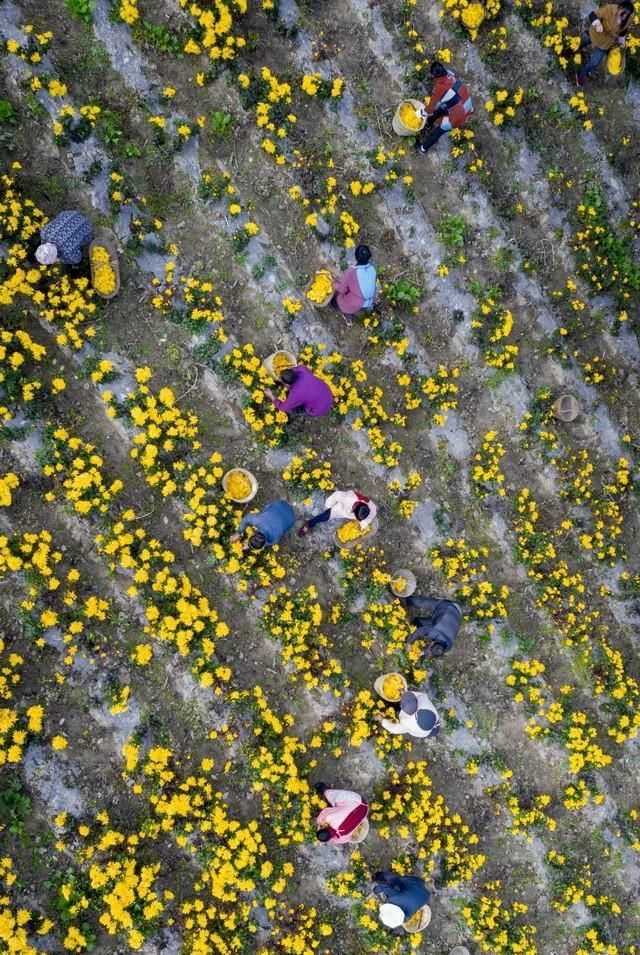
x,y
105,269
276,363
419,921
390,686
348,535
240,485
403,583
616,61
405,122
319,290
565,408
361,833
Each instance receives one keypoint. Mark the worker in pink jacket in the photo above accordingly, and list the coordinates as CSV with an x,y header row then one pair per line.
x,y
356,287
348,505
346,811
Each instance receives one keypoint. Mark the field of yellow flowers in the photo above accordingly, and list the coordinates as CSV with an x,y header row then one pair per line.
x,y
166,703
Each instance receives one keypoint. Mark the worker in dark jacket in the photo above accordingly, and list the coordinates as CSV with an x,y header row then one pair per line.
x,y
437,623
269,525
64,239
401,895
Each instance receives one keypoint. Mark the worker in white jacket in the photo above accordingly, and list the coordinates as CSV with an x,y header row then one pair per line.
x,y
348,505
417,716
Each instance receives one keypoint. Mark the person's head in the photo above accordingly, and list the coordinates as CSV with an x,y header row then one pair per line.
x,y
435,650
391,915
323,834
288,376
437,69
409,703
363,254
257,541
426,720
625,10
361,511
47,254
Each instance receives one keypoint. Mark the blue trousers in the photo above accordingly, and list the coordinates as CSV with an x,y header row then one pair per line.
x,y
596,57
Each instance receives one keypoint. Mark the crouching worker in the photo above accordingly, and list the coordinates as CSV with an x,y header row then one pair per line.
x,y
346,813
450,106
307,394
417,716
269,525
64,239
357,286
437,622
401,897
608,27
346,505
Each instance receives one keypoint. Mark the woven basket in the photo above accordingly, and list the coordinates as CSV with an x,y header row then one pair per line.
x,y
325,301
380,681
410,579
269,367
566,408
361,833
419,921
252,481
104,240
399,127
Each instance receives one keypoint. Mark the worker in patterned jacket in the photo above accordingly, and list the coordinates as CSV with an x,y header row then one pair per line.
x,y
64,239
450,106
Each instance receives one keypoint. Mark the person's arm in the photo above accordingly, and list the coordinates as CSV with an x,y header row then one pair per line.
x,y
244,523
333,499
291,401
335,796
395,728
370,516
425,632
343,285
594,20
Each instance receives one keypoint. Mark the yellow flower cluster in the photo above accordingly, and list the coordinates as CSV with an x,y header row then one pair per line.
x,y
78,466
409,117
363,726
407,807
503,105
496,926
486,477
306,473
465,566
471,13
15,726
294,620
266,423
128,11
606,505
190,301
8,483
166,433
321,286
351,531
492,325
103,274
215,27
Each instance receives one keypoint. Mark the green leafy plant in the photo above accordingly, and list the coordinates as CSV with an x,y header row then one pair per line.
x,y
403,293
81,9
221,124
453,231
7,113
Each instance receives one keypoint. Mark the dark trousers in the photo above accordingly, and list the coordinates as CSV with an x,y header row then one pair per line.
x,y
429,137
320,518
596,57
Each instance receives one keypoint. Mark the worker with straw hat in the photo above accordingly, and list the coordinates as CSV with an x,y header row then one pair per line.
x,y
401,897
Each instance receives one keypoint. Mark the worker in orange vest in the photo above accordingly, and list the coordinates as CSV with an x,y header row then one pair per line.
x,y
450,106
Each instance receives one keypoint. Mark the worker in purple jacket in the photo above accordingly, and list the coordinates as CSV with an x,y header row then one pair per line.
x,y
307,393
356,288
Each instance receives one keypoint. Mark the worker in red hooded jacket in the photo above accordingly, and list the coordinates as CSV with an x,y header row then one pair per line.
x,y
450,106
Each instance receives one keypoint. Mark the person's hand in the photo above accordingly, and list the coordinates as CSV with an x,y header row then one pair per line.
x,y
622,41
234,538
378,717
597,26
268,392
421,113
